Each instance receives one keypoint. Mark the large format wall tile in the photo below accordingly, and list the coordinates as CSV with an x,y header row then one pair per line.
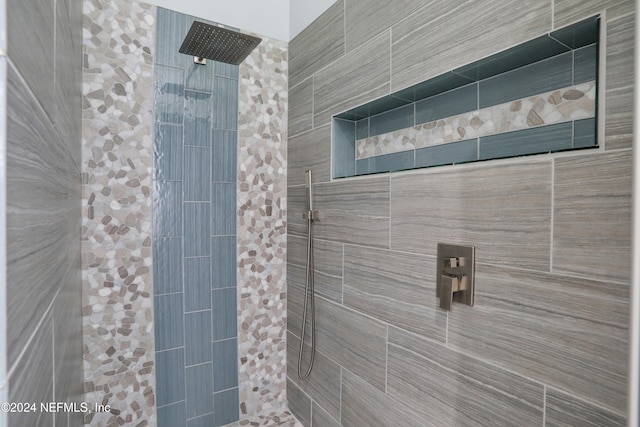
x,y
397,288
422,45
450,388
565,332
323,383
319,44
299,403
301,107
568,11
619,83
30,38
310,150
353,211
363,20
360,77
353,340
564,410
320,417
592,216
327,262
502,210
365,406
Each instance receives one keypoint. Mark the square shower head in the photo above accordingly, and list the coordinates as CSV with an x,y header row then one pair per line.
x,y
218,44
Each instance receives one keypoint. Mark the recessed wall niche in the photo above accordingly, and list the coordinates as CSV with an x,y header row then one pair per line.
x,y
537,97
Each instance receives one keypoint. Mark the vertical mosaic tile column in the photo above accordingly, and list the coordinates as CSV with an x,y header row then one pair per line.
x,y
194,244
262,181
116,228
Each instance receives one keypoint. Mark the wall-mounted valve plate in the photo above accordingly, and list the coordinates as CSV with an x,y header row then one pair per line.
x,y
456,274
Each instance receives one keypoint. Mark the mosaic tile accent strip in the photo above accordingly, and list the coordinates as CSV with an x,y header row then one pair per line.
x,y
117,297
558,106
261,230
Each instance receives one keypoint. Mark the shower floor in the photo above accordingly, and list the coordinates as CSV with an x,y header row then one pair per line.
x,y
285,419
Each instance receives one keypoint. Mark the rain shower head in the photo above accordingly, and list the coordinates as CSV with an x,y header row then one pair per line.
x,y
218,44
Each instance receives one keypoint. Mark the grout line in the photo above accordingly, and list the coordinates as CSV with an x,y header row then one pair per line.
x,y
544,405
553,181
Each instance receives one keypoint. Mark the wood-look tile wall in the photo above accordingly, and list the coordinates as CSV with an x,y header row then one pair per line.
x,y
546,342
41,80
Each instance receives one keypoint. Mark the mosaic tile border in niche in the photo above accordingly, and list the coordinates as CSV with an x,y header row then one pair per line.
x,y
117,153
558,106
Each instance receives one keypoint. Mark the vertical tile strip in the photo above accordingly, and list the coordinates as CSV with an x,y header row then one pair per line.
x,y
117,152
261,228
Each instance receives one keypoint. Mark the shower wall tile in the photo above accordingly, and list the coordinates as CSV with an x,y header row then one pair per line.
x,y
354,211
352,340
503,210
569,11
320,44
261,230
199,390
197,327
422,41
299,403
343,147
200,78
447,104
323,383
225,316
168,95
310,150
170,321
172,28
618,128
320,417
592,216
197,283
327,262
429,377
172,415
585,64
207,420
365,20
456,152
410,303
584,133
542,139
295,298
360,77
117,225
562,409
226,406
301,107
226,70
167,152
167,208
32,379
225,370
223,206
30,30
225,93
198,110
565,332
224,155
167,270
196,229
364,405
544,76
223,261
197,170
400,118
171,383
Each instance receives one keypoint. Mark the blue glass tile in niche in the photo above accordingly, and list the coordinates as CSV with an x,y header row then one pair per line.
x,y
537,97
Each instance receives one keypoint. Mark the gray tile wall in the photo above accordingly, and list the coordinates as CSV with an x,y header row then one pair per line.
x,y
194,243
43,208
546,342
